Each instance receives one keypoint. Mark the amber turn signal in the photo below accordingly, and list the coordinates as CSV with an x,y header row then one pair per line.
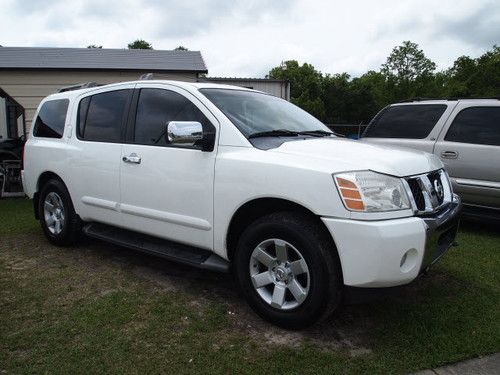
x,y
350,194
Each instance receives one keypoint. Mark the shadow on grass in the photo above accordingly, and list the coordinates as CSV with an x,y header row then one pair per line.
x,y
437,307
447,315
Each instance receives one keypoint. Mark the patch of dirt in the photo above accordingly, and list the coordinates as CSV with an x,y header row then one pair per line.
x,y
20,264
157,277
98,262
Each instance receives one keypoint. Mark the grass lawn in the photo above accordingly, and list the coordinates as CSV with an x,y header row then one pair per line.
x,y
98,308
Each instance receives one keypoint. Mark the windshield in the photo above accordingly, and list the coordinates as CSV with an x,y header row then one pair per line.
x,y
252,113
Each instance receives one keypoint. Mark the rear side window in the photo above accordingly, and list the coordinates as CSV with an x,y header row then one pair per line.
x,y
478,125
406,121
51,118
101,116
156,108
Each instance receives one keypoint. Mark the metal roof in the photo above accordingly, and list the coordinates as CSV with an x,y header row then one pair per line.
x,y
233,79
101,59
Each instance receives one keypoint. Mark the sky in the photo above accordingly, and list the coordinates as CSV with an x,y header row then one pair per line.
x,y
246,38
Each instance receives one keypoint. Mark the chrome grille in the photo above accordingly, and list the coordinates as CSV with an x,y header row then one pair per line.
x,y
417,194
435,177
429,192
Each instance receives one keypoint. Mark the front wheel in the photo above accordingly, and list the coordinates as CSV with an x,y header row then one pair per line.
x,y
288,269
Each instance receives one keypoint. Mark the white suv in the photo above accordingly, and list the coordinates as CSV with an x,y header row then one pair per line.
x,y
226,178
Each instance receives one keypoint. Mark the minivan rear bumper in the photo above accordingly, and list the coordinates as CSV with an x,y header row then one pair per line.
x,y
388,253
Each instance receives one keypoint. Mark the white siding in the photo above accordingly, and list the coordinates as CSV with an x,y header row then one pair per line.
x,y
29,87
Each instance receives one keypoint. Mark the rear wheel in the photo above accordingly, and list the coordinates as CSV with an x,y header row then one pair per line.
x,y
3,174
288,269
57,216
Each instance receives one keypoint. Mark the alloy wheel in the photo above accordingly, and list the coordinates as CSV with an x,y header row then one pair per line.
x,y
53,213
279,274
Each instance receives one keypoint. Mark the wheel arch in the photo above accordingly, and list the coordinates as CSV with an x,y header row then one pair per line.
x,y
258,207
42,180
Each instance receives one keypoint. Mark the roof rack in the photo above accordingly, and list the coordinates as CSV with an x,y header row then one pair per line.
x,y
78,86
418,99
146,76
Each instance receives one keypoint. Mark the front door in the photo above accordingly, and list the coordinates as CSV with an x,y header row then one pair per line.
x,y
166,190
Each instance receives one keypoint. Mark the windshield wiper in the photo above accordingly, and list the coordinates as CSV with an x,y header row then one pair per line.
x,y
317,133
291,133
275,133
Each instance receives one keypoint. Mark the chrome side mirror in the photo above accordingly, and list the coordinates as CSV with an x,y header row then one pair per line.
x,y
184,133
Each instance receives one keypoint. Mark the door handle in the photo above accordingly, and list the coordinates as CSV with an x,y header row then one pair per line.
x,y
133,158
449,154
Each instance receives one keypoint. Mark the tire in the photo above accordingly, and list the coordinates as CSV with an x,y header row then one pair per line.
x,y
320,280
55,194
2,175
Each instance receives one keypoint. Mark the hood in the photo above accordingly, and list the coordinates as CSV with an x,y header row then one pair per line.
x,y
348,155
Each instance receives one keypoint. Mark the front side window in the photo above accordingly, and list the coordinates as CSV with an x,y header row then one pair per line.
x,y
253,112
405,121
156,108
51,118
101,116
477,125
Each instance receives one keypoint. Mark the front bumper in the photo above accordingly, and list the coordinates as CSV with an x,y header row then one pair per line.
x,y
441,230
388,253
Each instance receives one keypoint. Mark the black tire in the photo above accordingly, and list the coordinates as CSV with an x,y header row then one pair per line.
x,y
71,229
2,175
317,249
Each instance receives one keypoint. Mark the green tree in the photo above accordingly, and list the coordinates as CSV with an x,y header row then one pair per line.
x,y
408,69
305,85
139,44
353,100
335,95
474,77
339,98
377,84
368,96
181,48
93,46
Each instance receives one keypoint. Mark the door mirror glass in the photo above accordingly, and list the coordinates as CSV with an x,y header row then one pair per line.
x,y
185,133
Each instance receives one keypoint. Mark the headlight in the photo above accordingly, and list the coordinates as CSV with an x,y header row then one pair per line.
x,y
367,191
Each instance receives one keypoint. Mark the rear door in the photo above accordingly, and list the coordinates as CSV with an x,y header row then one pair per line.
x,y
94,167
415,125
167,190
469,146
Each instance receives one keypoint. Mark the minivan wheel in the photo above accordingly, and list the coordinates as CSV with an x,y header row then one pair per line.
x,y
288,269
57,216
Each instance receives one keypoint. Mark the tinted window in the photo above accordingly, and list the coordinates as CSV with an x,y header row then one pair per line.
x,y
101,116
83,109
480,125
405,121
156,108
51,119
